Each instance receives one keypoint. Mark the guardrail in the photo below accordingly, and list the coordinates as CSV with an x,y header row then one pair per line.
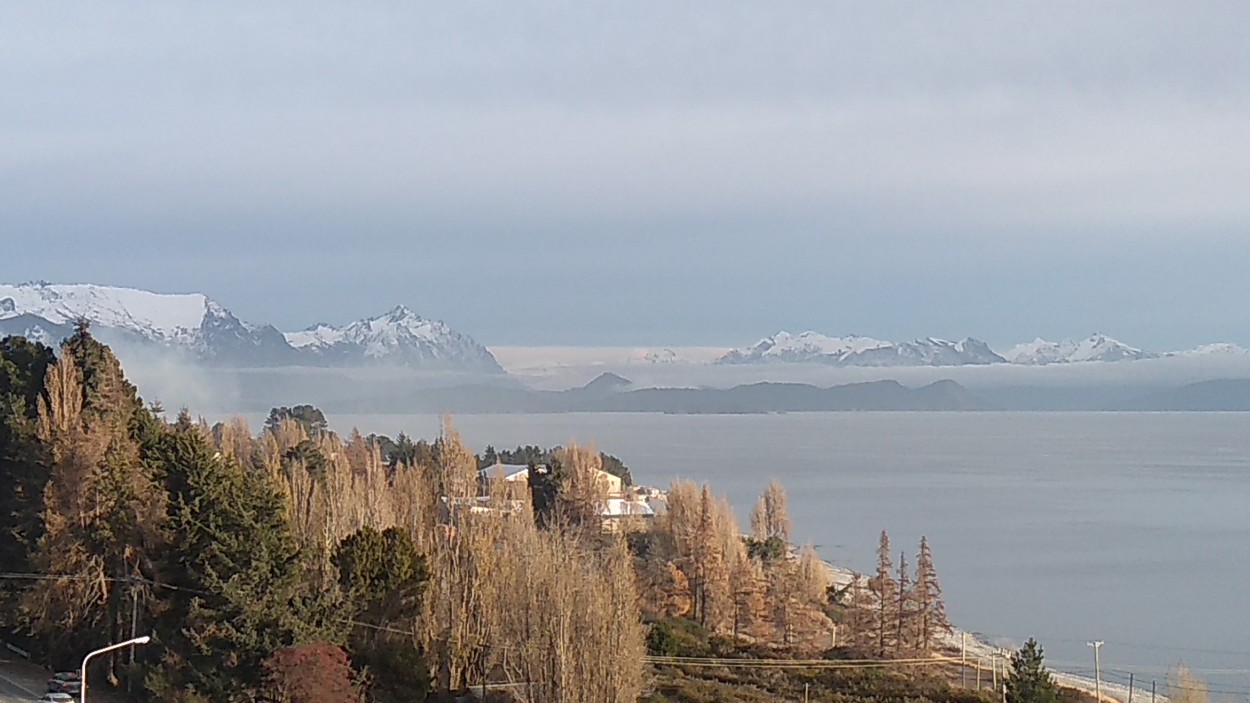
x,y
16,650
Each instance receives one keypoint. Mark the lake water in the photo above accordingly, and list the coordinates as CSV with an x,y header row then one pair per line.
x,y
1132,528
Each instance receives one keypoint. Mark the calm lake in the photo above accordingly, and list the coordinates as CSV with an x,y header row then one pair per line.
x,y
1133,528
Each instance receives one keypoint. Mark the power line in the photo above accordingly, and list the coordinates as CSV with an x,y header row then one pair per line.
x,y
796,663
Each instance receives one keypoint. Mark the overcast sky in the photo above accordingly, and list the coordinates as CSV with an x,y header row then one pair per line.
x,y
644,172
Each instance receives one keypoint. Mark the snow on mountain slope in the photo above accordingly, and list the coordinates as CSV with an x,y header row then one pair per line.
x,y
812,347
1097,347
808,346
1222,349
399,336
196,325
163,318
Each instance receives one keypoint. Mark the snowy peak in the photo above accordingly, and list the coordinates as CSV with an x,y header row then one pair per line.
x,y
854,350
1222,349
397,336
1096,347
195,325
808,346
162,318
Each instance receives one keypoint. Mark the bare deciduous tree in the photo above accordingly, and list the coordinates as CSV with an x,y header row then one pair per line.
x,y
771,517
1185,687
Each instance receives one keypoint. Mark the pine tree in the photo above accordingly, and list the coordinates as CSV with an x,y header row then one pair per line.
x,y
1029,680
902,614
24,461
235,571
885,590
929,609
859,619
383,580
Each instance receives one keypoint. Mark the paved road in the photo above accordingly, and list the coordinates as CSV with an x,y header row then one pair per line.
x,y
20,681
14,692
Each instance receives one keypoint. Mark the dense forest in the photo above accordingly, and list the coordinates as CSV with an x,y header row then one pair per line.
x,y
297,565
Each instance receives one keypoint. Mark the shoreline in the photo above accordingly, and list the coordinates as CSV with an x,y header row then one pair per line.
x,y
981,654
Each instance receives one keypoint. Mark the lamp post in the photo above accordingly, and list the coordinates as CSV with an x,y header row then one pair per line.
x,y
1097,669
82,692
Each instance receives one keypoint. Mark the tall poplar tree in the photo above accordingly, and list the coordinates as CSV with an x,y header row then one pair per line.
x,y
771,517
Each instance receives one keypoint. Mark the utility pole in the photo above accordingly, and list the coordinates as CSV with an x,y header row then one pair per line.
x,y
1130,688
963,660
134,626
1097,645
1152,692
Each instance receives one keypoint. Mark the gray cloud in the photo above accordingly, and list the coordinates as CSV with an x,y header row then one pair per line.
x,y
703,172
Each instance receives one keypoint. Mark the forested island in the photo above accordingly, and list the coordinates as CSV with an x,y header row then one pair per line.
x,y
295,565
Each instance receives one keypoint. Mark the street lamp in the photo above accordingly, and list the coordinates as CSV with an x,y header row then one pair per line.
x,y
1097,670
82,692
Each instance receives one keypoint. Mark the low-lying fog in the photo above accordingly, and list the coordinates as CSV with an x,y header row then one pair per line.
x,y
1061,386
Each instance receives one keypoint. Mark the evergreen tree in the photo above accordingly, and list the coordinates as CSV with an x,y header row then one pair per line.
x,y
102,509
903,610
235,573
858,622
926,601
543,493
383,580
403,453
381,575
311,419
24,461
1029,680
885,590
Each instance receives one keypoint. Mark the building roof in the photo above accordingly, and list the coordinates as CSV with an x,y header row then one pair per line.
x,y
510,472
621,507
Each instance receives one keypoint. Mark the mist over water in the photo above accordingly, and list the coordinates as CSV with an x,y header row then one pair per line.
x,y
1126,527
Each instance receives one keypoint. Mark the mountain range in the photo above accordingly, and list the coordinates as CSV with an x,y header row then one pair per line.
x,y
816,348
195,326
862,351
199,327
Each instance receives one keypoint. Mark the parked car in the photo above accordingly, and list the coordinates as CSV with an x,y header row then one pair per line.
x,y
65,682
55,697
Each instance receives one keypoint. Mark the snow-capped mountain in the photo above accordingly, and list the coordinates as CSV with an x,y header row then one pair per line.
x,y
1097,347
400,336
812,347
191,323
195,325
1222,349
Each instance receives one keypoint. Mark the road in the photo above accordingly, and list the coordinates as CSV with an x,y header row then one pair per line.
x,y
12,691
20,681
